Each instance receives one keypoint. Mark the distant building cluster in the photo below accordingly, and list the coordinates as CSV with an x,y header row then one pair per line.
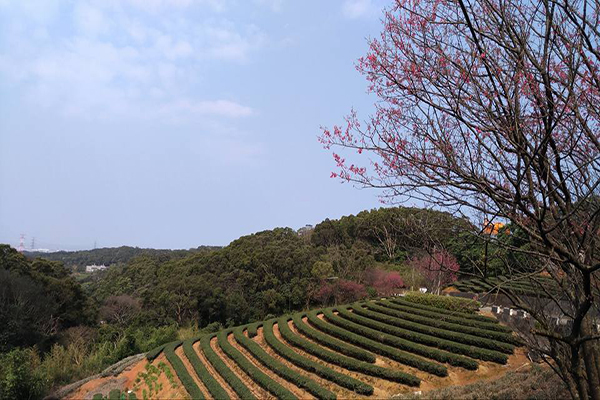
x,y
305,230
94,268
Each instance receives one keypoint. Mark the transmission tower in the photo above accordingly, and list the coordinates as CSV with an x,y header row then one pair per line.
x,y
32,243
22,243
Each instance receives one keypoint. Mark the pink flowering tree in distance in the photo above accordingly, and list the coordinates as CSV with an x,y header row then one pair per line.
x,y
439,269
492,108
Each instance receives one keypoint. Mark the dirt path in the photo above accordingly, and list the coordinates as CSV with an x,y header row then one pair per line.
x,y
256,390
298,392
230,392
181,354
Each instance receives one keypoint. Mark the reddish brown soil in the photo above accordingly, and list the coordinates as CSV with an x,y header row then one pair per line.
x,y
180,353
230,392
298,392
258,392
126,381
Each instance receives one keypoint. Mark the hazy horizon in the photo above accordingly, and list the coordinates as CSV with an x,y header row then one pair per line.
x,y
175,123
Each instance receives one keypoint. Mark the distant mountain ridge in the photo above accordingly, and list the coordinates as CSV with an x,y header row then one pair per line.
x,y
112,255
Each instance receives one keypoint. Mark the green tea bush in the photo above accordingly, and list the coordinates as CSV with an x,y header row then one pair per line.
x,y
396,334
325,372
456,317
407,345
279,368
211,383
331,342
183,374
343,361
384,307
444,302
461,337
230,377
376,346
256,374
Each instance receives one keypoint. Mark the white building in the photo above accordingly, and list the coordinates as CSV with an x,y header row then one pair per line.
x,y
93,268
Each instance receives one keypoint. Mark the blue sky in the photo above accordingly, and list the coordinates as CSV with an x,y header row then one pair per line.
x,y
175,123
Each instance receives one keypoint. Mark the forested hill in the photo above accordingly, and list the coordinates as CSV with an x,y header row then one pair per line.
x,y
112,255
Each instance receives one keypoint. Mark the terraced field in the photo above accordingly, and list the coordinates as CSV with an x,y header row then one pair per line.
x,y
520,287
367,349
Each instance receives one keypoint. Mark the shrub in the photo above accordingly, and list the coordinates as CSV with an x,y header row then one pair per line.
x,y
461,318
383,307
279,368
331,342
19,376
253,328
460,337
444,302
231,378
377,347
309,365
427,340
211,383
343,361
407,345
183,374
256,374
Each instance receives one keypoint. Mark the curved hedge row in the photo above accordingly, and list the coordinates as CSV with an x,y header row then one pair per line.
x,y
343,361
311,366
255,373
427,340
460,337
152,354
230,377
215,389
407,345
331,342
253,328
463,315
380,306
377,347
439,315
183,374
281,369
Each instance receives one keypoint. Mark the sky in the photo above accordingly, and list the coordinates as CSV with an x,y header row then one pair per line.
x,y
175,123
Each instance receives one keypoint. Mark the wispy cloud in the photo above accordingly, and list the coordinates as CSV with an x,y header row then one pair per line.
x,y
357,8
117,62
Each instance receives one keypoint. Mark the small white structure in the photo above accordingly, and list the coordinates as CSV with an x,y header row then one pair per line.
x,y
423,290
94,268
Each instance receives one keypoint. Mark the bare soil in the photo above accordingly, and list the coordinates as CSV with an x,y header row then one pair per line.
x,y
256,390
230,392
181,354
298,392
126,381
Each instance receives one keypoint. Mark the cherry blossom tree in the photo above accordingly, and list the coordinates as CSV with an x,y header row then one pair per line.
x,y
491,108
439,269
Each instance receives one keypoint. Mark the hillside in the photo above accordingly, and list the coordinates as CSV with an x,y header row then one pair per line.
x,y
376,348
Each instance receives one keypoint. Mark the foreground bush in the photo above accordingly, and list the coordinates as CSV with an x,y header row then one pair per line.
x,y
534,383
